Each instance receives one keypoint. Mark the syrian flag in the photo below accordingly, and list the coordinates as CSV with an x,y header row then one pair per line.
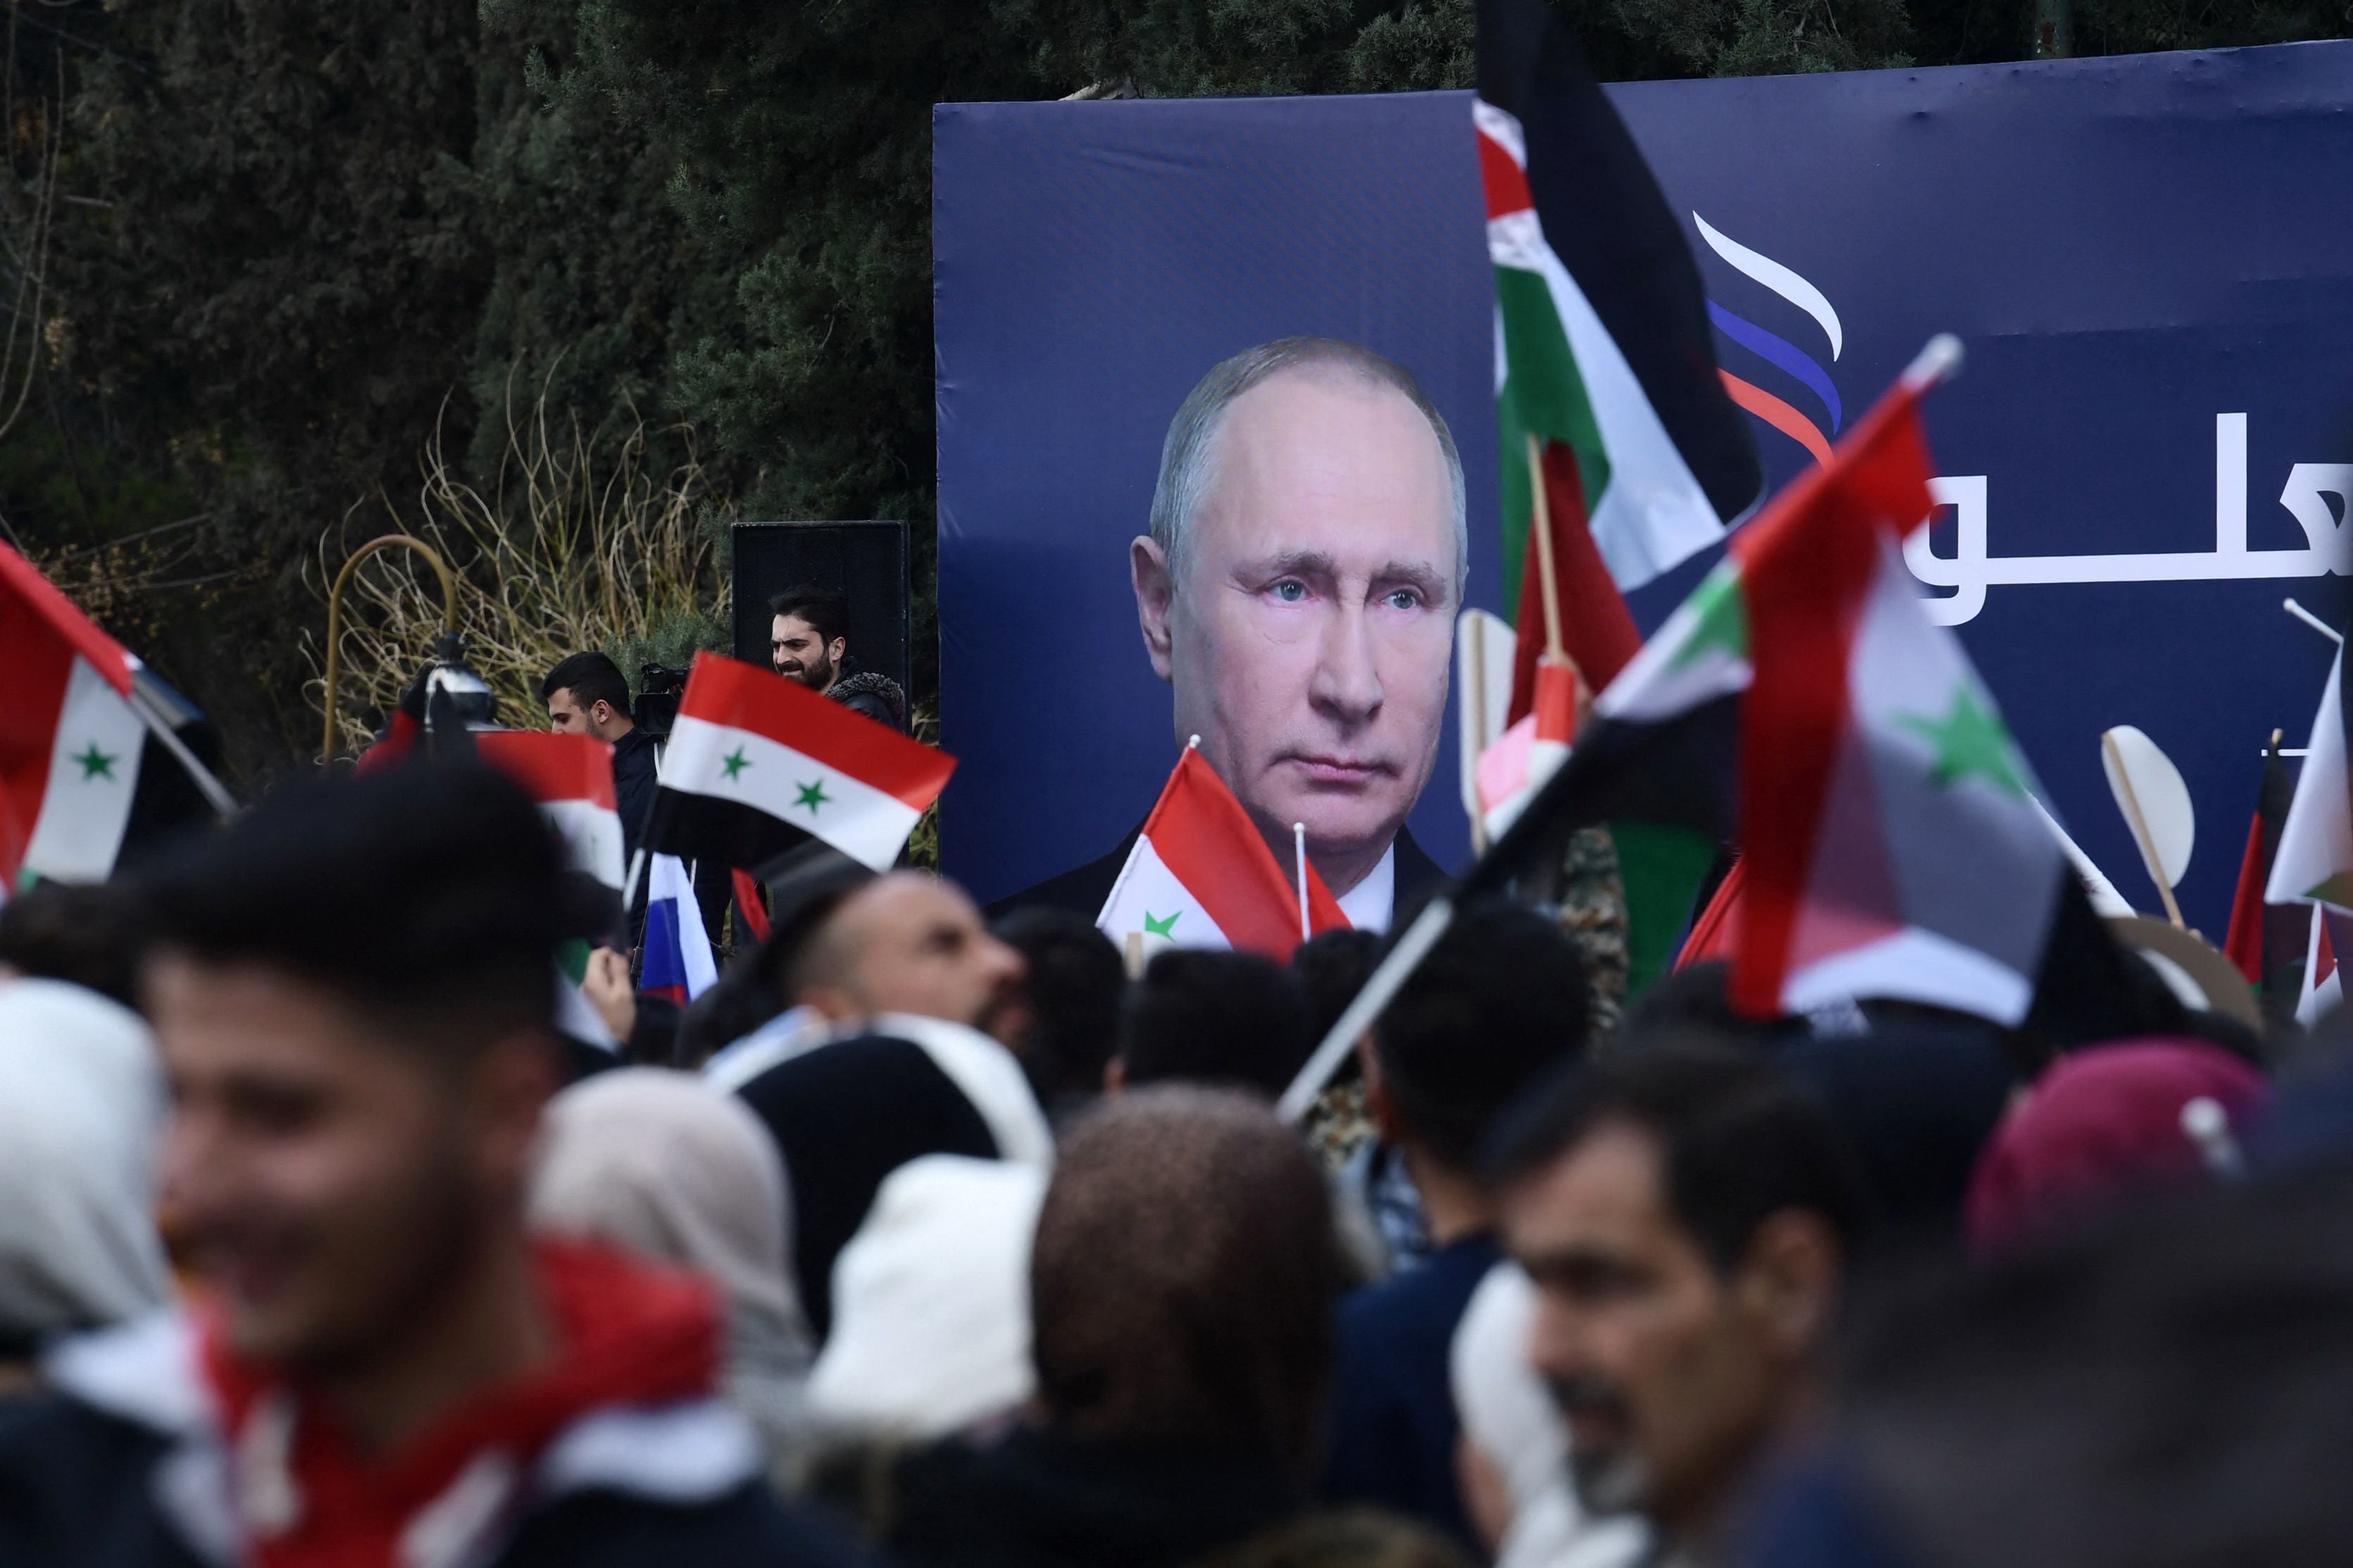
x,y
1801,701
1602,351
69,737
677,950
759,765
1889,822
1201,876
571,777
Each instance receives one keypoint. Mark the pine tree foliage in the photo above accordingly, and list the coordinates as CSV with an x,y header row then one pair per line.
x,y
297,238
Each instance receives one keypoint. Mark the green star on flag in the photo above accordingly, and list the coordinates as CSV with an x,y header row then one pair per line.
x,y
735,762
95,764
812,795
1162,925
1970,739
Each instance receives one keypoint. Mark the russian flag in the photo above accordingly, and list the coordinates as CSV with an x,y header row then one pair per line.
x,y
677,953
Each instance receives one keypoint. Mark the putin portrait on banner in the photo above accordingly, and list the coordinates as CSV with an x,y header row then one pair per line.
x,y
1298,591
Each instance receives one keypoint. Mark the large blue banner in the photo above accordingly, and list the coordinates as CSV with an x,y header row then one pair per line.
x,y
2149,258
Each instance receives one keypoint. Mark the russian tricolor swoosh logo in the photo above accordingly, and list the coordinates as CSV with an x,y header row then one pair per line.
x,y
1778,351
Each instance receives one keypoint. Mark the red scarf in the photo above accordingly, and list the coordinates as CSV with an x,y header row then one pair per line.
x,y
628,1335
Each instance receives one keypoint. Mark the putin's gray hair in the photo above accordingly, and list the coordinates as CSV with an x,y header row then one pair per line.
x,y
1187,458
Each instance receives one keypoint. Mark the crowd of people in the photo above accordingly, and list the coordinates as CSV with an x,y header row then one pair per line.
x,y
927,1238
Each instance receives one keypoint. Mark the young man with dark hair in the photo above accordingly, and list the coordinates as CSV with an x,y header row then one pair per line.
x,y
353,989
586,695
808,641
1063,1020
1201,1016
1500,1002
1686,1215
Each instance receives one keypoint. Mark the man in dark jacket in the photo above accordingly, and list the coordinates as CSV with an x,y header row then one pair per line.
x,y
352,989
586,695
1500,1002
808,641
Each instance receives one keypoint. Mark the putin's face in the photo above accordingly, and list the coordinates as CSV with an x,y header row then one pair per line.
x,y
1308,625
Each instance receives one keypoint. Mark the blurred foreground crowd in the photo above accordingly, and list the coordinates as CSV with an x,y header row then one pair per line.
x,y
921,1241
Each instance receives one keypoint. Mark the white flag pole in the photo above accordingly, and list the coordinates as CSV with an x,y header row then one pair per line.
x,y
2314,622
630,890
1379,989
2311,964
1299,854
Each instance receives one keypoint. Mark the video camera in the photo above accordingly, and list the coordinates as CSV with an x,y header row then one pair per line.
x,y
659,689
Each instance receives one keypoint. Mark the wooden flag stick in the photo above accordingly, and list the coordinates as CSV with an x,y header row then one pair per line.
x,y
1135,955
2140,830
1540,519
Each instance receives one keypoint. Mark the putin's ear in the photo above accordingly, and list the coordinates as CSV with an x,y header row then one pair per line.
x,y
1156,591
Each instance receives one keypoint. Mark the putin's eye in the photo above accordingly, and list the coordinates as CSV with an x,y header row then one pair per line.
x,y
1290,591
1402,599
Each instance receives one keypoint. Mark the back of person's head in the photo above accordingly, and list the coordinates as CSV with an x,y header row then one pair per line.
x,y
663,1164
591,678
1068,1021
87,934
1738,1142
1329,969
1500,1001
827,612
81,1102
1200,1015
1697,996
1183,1279
427,899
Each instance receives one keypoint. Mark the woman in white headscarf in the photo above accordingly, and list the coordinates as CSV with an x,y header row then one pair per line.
x,y
81,1107
1514,1445
661,1163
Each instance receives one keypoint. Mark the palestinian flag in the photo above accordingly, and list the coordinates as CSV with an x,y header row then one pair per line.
x,y
1201,876
2315,863
1602,351
69,738
2266,940
759,766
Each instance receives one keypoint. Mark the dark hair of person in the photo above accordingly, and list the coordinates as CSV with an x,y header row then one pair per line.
x,y
87,934
591,678
1074,984
1501,1000
428,899
1200,1015
1183,1277
1738,1142
1698,996
1329,968
827,612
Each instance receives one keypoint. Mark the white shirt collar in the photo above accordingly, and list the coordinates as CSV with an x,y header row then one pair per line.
x,y
1372,903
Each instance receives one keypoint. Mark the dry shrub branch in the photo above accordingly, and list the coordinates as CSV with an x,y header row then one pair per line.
x,y
578,542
